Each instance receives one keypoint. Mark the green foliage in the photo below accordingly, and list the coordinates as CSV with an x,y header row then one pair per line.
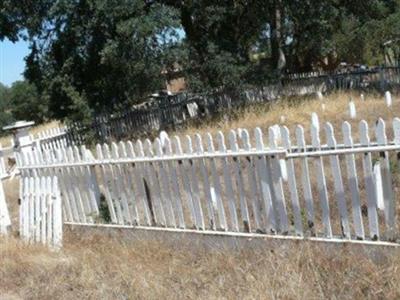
x,y
104,210
91,56
5,114
103,55
25,103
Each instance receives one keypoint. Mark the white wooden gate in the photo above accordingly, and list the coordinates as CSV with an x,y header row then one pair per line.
x,y
40,210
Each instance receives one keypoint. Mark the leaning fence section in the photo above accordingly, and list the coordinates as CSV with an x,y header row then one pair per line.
x,y
281,183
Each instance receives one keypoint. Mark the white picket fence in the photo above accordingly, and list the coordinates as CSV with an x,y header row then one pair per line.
x,y
40,210
54,138
285,187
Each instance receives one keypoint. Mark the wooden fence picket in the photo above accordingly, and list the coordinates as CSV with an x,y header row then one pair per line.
x,y
165,185
185,179
110,179
74,183
154,186
138,177
82,185
369,183
353,182
91,181
266,184
206,183
120,186
292,183
321,182
252,180
277,186
236,169
198,210
173,176
106,186
216,184
230,195
386,180
126,174
338,182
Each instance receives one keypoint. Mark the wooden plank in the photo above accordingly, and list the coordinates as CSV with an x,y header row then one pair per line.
x,y
57,215
155,183
106,186
49,209
119,183
74,181
194,182
82,185
66,182
146,180
353,183
31,218
110,179
185,179
322,190
130,192
338,182
206,182
37,194
292,183
228,183
43,210
236,169
70,213
277,183
91,181
173,176
369,183
252,181
216,185
137,176
387,186
165,185
266,184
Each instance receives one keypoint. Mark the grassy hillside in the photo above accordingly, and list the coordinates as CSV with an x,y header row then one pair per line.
x,y
100,266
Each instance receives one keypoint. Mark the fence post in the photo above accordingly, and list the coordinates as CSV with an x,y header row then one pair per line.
x,y
21,137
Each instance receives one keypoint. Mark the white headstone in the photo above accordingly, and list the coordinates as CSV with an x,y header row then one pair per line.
x,y
320,96
388,99
362,97
163,138
352,110
315,120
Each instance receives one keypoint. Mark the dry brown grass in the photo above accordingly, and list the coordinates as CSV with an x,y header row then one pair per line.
x,y
99,266
298,111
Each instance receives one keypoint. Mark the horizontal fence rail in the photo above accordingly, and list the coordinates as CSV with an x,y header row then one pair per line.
x,y
282,183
